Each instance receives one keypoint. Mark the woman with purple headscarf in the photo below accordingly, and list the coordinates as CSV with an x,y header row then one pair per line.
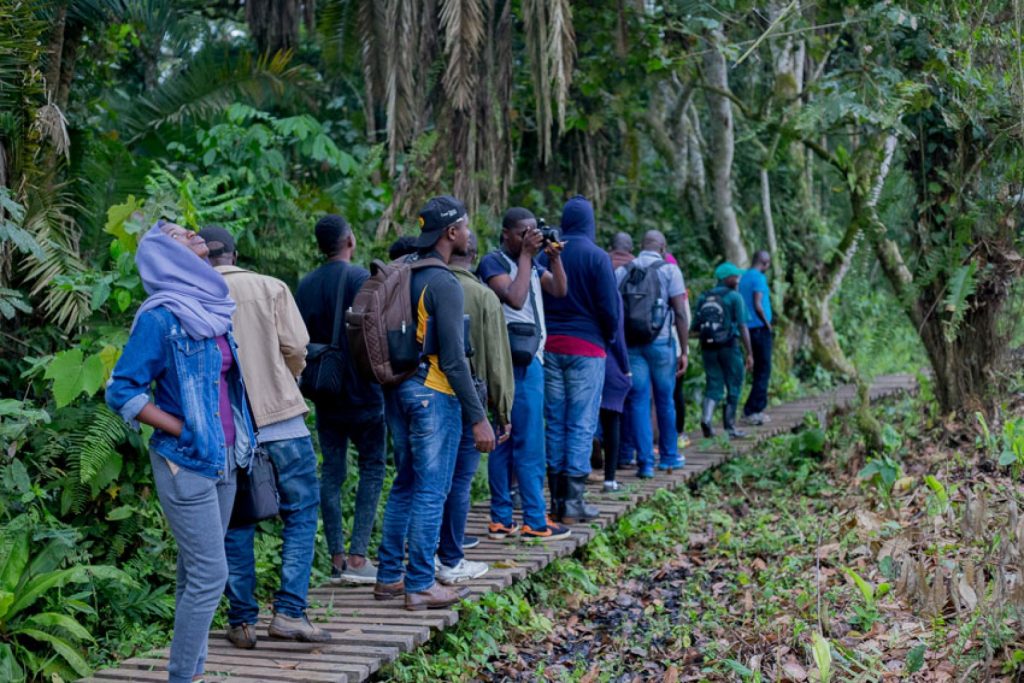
x,y
181,346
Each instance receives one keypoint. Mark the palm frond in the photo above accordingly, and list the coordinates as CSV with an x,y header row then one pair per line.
x,y
535,23
561,50
400,91
463,24
48,219
213,80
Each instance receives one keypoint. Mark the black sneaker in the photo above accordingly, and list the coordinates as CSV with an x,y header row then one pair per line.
x,y
336,573
470,542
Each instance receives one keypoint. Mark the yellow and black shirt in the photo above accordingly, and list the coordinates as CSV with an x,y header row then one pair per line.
x,y
438,300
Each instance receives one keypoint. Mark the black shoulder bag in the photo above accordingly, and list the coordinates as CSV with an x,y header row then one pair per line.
x,y
323,377
256,494
523,338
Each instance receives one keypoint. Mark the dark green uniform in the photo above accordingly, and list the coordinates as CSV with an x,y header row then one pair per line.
x,y
723,366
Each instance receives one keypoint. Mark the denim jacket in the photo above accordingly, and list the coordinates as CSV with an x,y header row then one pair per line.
x,y
187,376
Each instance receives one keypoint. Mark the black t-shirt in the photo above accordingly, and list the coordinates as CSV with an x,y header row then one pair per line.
x,y
317,298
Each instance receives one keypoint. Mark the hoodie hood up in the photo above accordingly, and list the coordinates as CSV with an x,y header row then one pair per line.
x,y
578,218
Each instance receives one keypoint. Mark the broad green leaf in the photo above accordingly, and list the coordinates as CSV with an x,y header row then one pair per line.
x,y
1007,457
117,220
51,620
6,599
822,653
10,670
100,294
19,474
66,372
119,513
94,374
65,649
866,589
12,566
109,355
38,586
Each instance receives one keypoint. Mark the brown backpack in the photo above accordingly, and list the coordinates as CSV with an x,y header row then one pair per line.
x,y
381,325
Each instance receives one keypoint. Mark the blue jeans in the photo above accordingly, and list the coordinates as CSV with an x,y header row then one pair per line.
x,y
426,426
198,510
295,462
761,346
456,506
369,436
654,369
572,401
523,453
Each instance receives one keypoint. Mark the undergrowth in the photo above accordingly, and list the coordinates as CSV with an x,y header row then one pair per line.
x,y
804,561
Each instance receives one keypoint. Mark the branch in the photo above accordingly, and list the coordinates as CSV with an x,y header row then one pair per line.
x,y
823,154
731,97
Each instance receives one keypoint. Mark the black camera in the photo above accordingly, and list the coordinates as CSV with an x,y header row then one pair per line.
x,y
550,235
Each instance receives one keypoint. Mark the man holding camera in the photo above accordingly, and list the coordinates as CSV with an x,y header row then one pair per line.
x,y
520,285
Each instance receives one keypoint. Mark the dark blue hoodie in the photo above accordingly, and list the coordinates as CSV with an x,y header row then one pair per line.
x,y
590,310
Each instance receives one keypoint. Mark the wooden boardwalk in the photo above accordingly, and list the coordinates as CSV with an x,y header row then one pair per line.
x,y
369,634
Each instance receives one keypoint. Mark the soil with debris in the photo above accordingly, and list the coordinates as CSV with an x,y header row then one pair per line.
x,y
794,566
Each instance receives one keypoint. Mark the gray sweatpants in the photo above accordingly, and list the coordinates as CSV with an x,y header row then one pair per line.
x,y
198,510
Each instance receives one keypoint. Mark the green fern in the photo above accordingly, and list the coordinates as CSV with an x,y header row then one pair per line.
x,y
962,286
105,433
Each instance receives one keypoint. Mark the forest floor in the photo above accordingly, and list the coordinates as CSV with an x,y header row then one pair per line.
x,y
806,561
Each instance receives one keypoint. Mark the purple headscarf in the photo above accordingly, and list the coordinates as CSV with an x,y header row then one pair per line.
x,y
185,285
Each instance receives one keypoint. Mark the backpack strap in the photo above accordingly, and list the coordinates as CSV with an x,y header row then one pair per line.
x,y
339,307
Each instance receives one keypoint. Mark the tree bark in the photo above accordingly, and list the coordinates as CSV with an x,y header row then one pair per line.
x,y
722,149
274,24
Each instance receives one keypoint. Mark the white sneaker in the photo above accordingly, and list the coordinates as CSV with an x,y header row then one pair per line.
x,y
463,571
757,419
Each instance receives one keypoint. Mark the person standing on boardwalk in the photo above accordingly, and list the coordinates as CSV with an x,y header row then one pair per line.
x,y
617,382
580,325
356,415
491,364
621,250
720,321
521,285
271,355
654,299
181,345
425,414
757,298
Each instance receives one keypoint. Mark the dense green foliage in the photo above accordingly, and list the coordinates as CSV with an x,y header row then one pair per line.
x,y
873,148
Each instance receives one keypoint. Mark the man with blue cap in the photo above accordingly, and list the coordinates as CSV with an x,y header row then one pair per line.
x,y
719,322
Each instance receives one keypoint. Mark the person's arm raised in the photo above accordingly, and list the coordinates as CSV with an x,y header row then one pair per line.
x,y
515,291
555,281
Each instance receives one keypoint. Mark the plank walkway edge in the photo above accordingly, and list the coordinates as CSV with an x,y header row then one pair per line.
x,y
368,634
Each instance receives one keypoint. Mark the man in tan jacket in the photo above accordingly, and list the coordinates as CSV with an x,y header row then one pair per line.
x,y
272,352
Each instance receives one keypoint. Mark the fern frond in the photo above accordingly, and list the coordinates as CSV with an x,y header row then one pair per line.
x,y
105,433
962,286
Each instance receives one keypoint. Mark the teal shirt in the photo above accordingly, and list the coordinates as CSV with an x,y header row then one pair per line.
x,y
734,308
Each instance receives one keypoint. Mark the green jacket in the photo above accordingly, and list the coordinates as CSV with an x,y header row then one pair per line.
x,y
492,359
734,308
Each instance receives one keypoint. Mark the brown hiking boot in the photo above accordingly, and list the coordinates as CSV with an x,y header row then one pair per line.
x,y
435,597
242,636
387,591
296,628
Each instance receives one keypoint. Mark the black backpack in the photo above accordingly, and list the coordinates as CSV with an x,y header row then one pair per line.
x,y
644,307
713,321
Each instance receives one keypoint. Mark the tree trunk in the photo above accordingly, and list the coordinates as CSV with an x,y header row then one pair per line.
x,y
274,24
722,148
